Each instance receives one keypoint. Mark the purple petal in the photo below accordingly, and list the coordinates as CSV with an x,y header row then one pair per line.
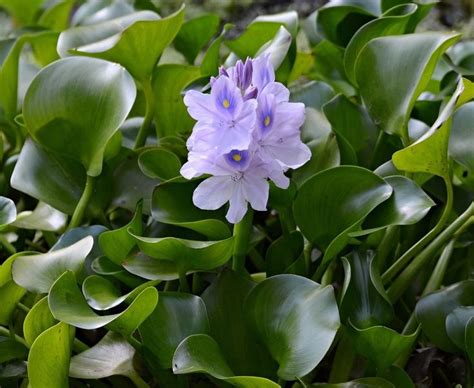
x,y
237,206
213,192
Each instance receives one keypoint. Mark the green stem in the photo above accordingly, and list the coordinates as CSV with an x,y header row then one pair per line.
x,y
183,282
286,220
137,380
401,283
7,245
386,246
242,232
257,259
5,332
418,247
81,207
149,112
343,360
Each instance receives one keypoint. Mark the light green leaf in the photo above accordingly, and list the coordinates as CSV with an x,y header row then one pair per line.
x,y
296,319
38,319
7,211
79,124
159,163
44,217
37,273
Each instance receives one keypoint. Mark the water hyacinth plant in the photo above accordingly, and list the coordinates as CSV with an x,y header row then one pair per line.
x,y
184,203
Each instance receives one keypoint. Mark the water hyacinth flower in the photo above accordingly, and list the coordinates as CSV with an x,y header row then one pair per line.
x,y
246,133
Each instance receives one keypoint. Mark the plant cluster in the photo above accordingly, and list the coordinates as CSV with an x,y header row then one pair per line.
x,y
343,144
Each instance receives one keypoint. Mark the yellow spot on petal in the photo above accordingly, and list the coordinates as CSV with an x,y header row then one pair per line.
x,y
237,157
226,103
267,121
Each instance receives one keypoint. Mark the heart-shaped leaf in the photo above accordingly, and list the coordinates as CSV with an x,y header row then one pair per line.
x,y
79,124
189,358
388,90
67,304
433,309
38,319
172,204
135,41
334,202
364,301
7,211
146,267
188,255
457,323
176,317
296,319
394,22
159,163
112,355
48,361
37,273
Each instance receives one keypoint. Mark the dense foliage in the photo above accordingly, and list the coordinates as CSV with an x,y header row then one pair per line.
x,y
359,273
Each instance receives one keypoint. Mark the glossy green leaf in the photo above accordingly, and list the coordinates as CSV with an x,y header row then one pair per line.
x,y
296,319
159,163
224,300
394,22
48,361
339,22
38,319
100,293
200,353
11,350
112,355
117,244
194,34
24,10
79,124
176,317
188,255
149,268
352,125
43,217
364,301
430,152
334,202
172,204
381,345
407,205
7,211
137,46
67,304
10,292
388,90
37,273
169,80
462,137
433,309
277,48
365,382
56,17
283,252
457,323
100,11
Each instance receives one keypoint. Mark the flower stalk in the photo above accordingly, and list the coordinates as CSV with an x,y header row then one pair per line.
x,y
242,231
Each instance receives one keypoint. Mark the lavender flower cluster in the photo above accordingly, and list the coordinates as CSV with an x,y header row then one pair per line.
x,y
246,132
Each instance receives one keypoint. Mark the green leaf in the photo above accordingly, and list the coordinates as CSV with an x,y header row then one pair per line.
x,y
137,46
159,163
194,34
365,382
37,273
100,11
334,202
101,294
117,244
339,22
10,292
457,324
296,319
172,204
200,353
407,205
25,11
394,22
146,267
224,300
433,309
44,217
169,80
38,319
381,345
48,361
283,252
67,304
462,136
353,126
7,211
176,317
430,152
277,48
112,355
388,90
364,301
56,18
78,124
11,350
188,255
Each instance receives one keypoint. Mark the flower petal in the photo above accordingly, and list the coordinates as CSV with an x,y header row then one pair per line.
x,y
213,192
237,206
199,105
255,190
